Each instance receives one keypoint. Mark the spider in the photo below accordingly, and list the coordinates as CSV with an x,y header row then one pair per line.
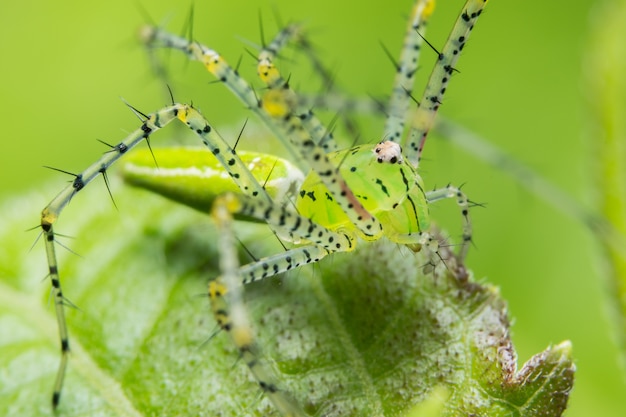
x,y
350,196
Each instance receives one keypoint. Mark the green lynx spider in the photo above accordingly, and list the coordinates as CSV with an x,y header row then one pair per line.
x,y
366,192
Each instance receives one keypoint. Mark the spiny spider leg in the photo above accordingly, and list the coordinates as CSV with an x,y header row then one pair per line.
x,y
424,118
451,191
288,126
406,69
279,96
50,214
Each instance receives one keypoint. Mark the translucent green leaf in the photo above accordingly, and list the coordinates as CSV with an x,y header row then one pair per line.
x,y
364,333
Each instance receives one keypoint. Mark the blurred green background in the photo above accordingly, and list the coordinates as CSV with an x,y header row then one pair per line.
x,y
65,65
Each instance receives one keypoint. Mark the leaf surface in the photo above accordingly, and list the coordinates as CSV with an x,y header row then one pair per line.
x,y
362,333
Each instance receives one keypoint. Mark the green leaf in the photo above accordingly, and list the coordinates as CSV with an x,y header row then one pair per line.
x,y
363,333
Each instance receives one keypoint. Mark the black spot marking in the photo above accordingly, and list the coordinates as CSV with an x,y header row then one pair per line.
x,y
296,226
414,211
78,183
404,180
268,387
382,186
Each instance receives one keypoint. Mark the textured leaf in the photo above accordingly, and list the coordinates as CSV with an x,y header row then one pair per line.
x,y
364,333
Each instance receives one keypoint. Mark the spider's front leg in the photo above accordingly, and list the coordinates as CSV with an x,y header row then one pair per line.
x,y
225,292
463,202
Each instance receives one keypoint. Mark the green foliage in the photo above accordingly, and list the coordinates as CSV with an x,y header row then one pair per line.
x,y
606,90
365,333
